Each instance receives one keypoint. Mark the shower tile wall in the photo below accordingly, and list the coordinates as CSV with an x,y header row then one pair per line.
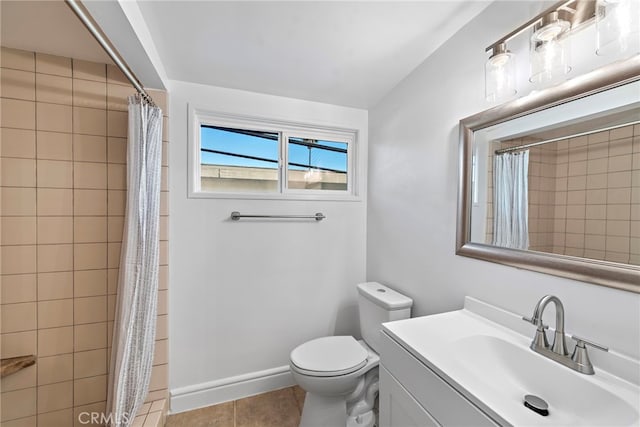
x,y
63,177
584,196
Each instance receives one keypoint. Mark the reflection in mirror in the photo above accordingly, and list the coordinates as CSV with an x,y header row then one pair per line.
x,y
566,187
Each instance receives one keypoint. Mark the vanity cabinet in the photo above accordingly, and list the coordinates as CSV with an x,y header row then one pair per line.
x,y
413,395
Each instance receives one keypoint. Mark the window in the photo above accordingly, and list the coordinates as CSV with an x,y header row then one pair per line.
x,y
239,157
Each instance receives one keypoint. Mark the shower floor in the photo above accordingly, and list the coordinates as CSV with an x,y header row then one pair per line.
x,y
279,408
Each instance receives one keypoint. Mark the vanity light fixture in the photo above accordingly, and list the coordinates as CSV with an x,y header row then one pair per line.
x,y
500,74
549,48
617,28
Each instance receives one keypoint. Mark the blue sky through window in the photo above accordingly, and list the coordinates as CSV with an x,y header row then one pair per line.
x,y
264,145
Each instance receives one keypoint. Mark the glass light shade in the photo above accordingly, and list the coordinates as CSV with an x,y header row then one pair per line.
x,y
550,51
500,74
617,27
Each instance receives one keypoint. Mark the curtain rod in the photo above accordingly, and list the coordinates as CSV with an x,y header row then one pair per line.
x,y
547,141
81,12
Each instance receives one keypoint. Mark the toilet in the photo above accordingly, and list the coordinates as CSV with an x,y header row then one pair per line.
x,y
340,373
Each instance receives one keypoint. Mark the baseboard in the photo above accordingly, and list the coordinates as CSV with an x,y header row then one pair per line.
x,y
232,388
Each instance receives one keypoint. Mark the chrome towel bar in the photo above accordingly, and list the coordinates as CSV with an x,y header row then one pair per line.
x,y
235,215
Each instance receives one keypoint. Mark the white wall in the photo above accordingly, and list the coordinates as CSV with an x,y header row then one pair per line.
x,y
245,293
412,198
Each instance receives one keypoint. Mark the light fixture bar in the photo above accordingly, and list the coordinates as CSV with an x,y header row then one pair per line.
x,y
582,11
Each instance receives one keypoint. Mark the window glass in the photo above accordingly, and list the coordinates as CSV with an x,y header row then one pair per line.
x,y
317,164
238,160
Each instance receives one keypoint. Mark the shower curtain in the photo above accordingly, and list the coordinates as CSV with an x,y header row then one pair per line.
x,y
136,309
510,200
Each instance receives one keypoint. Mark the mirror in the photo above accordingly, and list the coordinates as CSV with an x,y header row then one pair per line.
x,y
551,182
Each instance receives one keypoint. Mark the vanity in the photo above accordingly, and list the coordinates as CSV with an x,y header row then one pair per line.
x,y
474,367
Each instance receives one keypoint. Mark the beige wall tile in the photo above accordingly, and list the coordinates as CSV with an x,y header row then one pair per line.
x,y
90,121
598,137
53,117
18,344
118,96
160,97
164,228
577,168
165,129
158,378
90,310
618,244
634,245
21,422
621,147
90,175
56,418
89,148
18,143
55,369
114,75
155,395
18,404
577,212
18,172
618,212
163,277
89,70
55,341
17,84
164,203
90,283
619,195
89,94
18,259
50,64
117,177
18,230
635,212
111,307
593,254
17,59
624,132
90,256
598,151
575,226
115,226
617,257
164,180
54,145
22,379
90,336
16,113
114,255
597,197
620,163
619,179
52,397
55,313
618,228
597,166
18,201
162,328
161,352
18,317
117,124
165,157
163,302
54,202
55,229
634,229
154,419
576,183
55,258
56,285
90,202
117,150
90,229
112,280
90,390
18,288
117,202
90,363
55,174
54,89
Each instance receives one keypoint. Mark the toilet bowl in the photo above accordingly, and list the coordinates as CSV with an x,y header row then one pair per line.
x,y
340,373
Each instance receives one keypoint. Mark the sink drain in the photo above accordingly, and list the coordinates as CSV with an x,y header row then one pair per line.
x,y
536,404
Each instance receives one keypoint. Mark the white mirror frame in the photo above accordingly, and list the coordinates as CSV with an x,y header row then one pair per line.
x,y
616,275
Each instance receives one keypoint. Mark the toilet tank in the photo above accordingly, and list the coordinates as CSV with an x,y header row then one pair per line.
x,y
378,304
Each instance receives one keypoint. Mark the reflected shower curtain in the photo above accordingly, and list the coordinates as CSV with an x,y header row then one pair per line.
x,y
135,322
510,200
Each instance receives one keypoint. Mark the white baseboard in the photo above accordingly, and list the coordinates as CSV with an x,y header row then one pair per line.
x,y
232,388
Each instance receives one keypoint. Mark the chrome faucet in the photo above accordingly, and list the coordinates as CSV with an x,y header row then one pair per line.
x,y
579,360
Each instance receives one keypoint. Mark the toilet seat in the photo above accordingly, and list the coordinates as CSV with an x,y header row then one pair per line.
x,y
329,356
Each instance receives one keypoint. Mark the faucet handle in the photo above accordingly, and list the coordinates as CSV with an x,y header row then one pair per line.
x,y
533,322
580,342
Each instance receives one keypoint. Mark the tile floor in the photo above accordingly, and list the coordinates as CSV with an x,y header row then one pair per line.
x,y
279,408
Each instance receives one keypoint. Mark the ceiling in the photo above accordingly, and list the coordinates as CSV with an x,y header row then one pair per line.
x,y
48,27
338,52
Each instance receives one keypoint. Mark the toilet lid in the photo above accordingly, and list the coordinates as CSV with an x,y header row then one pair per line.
x,y
330,356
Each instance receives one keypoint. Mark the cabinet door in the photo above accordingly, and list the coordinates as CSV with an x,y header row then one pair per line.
x,y
397,407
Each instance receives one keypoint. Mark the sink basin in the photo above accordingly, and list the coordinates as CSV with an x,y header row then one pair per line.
x,y
493,367
514,371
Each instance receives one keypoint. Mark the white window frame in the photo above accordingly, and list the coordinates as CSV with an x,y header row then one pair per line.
x,y
285,129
